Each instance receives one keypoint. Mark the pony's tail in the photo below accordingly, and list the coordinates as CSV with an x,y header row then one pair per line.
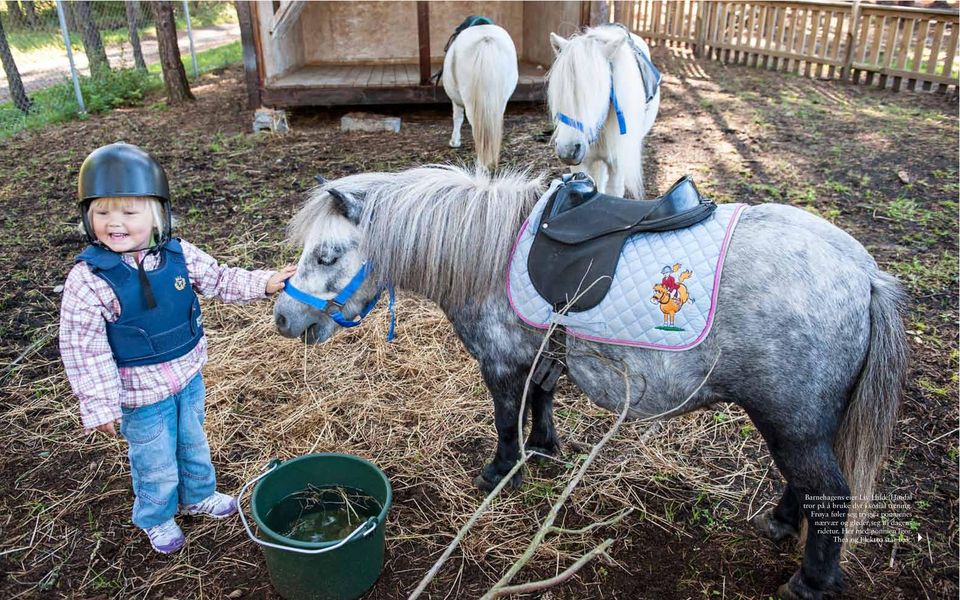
x,y
482,102
867,426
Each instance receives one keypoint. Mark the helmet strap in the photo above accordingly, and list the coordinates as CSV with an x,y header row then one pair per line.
x,y
148,296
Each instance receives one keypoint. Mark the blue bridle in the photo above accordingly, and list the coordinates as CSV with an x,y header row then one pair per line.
x,y
593,133
334,307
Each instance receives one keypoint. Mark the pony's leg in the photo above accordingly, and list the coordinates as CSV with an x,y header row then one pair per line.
x,y
811,470
543,435
506,387
782,521
615,185
598,171
457,124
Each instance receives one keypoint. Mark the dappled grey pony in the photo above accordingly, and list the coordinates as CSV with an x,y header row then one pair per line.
x,y
813,345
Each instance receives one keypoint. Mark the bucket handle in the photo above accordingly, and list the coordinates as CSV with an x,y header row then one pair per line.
x,y
365,528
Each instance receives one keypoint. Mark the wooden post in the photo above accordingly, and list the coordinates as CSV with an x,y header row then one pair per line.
x,y
600,13
700,29
245,16
851,36
423,36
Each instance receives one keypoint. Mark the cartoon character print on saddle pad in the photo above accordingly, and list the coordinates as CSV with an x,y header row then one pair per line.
x,y
663,294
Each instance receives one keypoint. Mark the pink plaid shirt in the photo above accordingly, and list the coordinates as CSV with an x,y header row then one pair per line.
x,y
89,302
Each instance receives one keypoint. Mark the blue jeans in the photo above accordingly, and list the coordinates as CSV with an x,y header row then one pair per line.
x,y
169,454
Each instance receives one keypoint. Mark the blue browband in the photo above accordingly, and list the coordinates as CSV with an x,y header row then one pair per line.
x,y
334,306
594,133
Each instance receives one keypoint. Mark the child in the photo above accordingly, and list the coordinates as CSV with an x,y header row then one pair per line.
x,y
669,282
132,340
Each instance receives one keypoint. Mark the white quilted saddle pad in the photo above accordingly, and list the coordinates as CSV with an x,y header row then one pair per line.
x,y
685,263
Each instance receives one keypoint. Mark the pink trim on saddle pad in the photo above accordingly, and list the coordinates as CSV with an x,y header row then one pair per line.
x,y
637,333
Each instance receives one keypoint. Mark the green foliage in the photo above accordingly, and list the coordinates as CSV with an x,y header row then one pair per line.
x,y
108,90
116,88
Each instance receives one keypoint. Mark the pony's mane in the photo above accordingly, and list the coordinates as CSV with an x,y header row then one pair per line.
x,y
442,231
580,72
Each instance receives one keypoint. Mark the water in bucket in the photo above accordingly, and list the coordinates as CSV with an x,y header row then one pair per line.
x,y
321,514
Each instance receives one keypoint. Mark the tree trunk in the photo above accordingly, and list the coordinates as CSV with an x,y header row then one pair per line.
x,y
92,43
31,10
71,16
174,75
19,94
134,35
15,14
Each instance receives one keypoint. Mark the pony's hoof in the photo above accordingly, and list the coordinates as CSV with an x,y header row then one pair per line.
x,y
543,451
770,527
785,593
485,483
796,589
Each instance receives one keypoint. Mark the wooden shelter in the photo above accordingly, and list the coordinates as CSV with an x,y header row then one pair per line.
x,y
367,52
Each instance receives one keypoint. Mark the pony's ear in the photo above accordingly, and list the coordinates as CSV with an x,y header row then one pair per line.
x,y
558,42
346,205
611,47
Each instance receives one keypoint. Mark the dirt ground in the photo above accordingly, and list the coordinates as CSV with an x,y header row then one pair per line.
x,y
882,166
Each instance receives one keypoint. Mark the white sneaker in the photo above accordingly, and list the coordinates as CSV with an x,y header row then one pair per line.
x,y
216,505
166,537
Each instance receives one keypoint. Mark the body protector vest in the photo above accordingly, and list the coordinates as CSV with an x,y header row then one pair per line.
x,y
142,335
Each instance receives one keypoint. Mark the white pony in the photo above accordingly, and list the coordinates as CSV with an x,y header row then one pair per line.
x,y
479,76
597,96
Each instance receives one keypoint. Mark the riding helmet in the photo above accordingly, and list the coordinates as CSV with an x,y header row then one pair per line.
x,y
119,170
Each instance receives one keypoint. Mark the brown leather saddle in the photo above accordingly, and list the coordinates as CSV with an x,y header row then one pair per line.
x,y
581,233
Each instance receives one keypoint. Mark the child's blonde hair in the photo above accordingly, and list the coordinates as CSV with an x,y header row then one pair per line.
x,y
153,205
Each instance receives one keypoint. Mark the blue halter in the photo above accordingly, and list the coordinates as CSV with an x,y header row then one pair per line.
x,y
594,133
334,306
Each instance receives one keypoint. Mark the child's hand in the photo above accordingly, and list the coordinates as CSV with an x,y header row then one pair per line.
x,y
109,428
275,283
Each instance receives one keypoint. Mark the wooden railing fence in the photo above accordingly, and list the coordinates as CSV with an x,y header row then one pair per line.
x,y
869,44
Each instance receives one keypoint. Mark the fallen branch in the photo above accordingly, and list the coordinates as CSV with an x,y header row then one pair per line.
x,y
498,587
543,584
605,523
547,527
466,527
35,346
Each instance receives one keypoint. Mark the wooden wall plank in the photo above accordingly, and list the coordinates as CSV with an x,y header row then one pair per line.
x,y
876,41
934,57
810,42
906,40
918,52
949,56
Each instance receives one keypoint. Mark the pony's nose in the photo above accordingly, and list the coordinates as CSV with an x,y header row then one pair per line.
x,y
281,322
571,154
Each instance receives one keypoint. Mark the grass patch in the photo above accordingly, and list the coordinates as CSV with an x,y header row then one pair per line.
x,y
906,209
928,273
114,89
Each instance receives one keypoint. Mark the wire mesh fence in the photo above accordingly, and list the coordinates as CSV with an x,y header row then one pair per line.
x,y
113,47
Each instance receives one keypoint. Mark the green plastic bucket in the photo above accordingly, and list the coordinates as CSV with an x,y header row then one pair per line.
x,y
336,570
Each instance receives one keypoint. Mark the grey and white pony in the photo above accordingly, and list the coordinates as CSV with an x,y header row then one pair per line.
x,y
479,76
813,345
590,70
